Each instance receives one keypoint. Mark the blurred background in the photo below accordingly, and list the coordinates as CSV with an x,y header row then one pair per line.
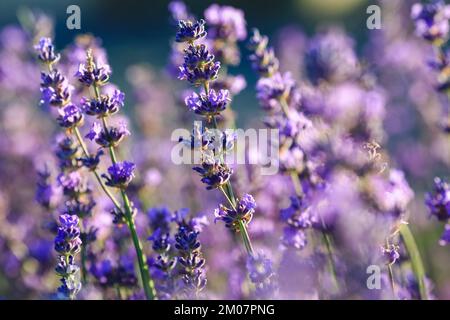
x,y
139,32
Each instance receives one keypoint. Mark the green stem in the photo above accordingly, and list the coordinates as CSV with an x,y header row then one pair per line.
x,y
416,260
83,259
391,279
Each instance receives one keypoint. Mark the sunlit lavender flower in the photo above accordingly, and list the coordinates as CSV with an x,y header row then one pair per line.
x,y
46,51
214,174
199,65
189,31
106,105
431,20
438,201
68,244
261,274
69,116
55,89
112,137
120,174
263,57
208,105
232,217
90,74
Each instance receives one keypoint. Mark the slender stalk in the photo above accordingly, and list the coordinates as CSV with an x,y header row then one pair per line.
x,y
390,271
391,279
227,190
95,172
416,260
147,282
83,259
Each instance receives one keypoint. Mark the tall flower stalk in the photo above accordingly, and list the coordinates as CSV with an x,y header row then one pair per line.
x,y
201,69
279,97
120,174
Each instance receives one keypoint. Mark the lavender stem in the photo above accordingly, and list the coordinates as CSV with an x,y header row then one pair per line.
x,y
416,260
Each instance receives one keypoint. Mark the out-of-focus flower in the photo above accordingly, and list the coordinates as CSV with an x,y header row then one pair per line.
x,y
46,51
330,57
431,20
438,201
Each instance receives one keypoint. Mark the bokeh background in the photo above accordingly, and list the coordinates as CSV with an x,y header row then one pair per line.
x,y
138,32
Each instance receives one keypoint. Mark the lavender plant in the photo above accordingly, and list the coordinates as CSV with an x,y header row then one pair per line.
x,y
56,92
201,70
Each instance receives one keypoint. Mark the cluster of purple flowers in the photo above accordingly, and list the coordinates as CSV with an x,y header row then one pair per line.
x,y
68,245
438,203
432,24
308,233
178,266
215,173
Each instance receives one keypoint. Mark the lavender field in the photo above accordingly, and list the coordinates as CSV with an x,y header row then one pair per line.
x,y
230,156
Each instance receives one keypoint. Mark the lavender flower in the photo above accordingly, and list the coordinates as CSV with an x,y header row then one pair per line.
x,y
431,20
232,217
438,201
46,51
189,31
67,245
271,90
191,260
261,274
72,183
105,105
298,217
110,138
55,90
391,253
92,161
68,152
46,195
199,65
90,74
214,174
160,219
120,174
70,116
263,58
208,105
